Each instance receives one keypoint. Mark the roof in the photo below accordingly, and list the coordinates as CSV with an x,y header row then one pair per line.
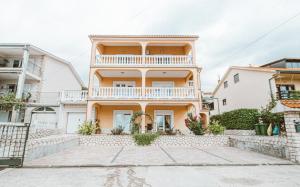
x,y
283,59
36,50
291,103
259,69
191,37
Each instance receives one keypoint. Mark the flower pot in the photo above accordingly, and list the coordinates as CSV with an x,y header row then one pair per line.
x,y
263,129
257,129
297,128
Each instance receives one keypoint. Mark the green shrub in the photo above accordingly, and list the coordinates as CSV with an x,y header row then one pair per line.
x,y
243,119
87,128
135,128
216,128
117,131
144,139
194,124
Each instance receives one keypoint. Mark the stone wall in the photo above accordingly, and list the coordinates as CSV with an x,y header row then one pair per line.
x,y
164,140
293,138
240,132
41,133
270,145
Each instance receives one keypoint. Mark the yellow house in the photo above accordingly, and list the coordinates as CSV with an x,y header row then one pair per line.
x,y
155,74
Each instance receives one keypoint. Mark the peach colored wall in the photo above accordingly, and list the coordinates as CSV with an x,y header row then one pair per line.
x,y
114,50
105,114
179,114
108,81
172,50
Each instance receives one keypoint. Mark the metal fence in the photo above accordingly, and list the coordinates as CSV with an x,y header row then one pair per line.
x,y
13,138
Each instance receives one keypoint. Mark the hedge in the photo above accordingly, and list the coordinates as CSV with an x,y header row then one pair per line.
x,y
242,119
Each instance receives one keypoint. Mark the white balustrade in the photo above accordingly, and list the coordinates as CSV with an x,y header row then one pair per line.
x,y
150,93
150,60
118,92
74,95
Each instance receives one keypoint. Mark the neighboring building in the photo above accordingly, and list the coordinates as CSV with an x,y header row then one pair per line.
x,y
156,74
253,87
39,78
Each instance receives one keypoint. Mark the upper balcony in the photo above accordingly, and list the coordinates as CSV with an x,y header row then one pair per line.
x,y
143,52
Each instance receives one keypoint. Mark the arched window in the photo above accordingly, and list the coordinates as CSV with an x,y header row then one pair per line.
x,y
43,109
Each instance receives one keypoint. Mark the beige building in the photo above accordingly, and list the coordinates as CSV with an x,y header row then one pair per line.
x,y
253,87
155,74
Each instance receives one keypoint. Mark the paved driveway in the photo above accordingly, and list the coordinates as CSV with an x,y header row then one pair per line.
x,y
154,156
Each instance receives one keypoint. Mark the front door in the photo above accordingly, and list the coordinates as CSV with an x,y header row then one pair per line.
x,y
164,120
122,119
75,119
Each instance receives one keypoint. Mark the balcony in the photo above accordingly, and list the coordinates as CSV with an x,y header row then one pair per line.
x,y
137,93
144,60
288,95
74,96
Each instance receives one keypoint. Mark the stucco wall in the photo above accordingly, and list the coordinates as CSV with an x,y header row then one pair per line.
x,y
252,91
58,76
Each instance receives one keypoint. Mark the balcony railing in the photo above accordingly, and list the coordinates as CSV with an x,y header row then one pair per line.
x,y
149,60
34,68
137,93
289,94
74,96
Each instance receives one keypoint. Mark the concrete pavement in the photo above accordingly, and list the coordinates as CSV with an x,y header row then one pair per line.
x,y
175,176
153,156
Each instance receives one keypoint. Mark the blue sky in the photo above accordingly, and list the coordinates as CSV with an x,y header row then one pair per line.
x,y
225,28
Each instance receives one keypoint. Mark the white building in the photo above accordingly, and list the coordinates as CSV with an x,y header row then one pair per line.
x,y
252,87
40,79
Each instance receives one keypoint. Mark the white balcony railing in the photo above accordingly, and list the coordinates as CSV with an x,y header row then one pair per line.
x,y
169,93
150,60
137,93
74,96
118,92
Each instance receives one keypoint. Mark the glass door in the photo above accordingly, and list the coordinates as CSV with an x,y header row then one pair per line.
x,y
122,119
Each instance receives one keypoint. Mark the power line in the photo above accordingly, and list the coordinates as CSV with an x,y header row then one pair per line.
x,y
262,36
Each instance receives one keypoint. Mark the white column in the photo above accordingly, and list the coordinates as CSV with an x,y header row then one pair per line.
x,y
22,76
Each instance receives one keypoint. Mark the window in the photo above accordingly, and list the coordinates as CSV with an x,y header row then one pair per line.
x,y
224,102
293,65
225,84
236,78
16,63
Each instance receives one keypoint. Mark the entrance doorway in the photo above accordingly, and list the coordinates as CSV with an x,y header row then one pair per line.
x,y
122,119
164,119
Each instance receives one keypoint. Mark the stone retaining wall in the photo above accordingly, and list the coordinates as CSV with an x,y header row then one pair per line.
x,y
270,145
41,133
240,132
164,140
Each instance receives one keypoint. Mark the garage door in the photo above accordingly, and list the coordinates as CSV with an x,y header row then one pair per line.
x,y
75,119
43,121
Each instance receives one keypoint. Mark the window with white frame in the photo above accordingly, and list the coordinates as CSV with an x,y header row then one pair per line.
x,y
236,78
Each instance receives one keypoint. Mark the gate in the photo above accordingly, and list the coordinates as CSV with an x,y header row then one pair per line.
x,y
13,138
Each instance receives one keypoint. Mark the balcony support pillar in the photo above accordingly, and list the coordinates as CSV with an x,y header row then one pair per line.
x,y
91,82
143,117
144,72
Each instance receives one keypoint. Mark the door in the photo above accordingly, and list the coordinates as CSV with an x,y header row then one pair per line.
x,y
75,119
164,119
163,88
43,120
122,119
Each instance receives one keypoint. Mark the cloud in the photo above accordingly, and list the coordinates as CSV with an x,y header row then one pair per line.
x,y
224,27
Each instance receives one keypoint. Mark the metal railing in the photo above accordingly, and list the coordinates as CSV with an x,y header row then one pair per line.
x,y
13,138
74,95
289,94
144,60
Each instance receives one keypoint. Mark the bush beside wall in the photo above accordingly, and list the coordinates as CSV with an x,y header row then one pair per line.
x,y
243,119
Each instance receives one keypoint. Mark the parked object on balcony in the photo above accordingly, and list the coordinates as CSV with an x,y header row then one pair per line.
x,y
275,130
297,127
269,131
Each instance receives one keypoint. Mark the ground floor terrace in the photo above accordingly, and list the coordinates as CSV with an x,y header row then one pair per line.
x,y
158,116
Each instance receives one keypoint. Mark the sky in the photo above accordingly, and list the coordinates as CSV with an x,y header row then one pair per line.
x,y
231,32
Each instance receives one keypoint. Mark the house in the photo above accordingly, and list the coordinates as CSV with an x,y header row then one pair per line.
x,y
254,87
154,74
39,78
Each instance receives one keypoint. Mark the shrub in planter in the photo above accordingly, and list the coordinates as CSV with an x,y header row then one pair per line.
x,y
194,124
216,128
144,139
242,119
87,128
117,131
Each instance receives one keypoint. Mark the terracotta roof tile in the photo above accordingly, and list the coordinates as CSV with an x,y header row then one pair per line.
x,y
291,103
